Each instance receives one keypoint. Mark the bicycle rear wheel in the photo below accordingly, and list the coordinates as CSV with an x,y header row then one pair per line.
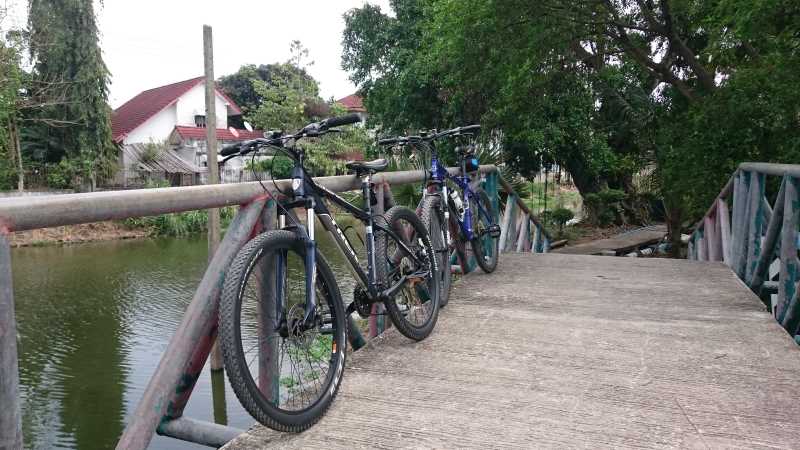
x,y
284,370
485,247
432,216
414,310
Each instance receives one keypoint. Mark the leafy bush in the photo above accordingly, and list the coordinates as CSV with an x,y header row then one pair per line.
x,y
560,217
281,167
605,207
150,151
61,175
8,175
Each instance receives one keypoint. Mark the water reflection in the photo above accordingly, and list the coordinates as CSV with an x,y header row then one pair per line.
x,y
93,321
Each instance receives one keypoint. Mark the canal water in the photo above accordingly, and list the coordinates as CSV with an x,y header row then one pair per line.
x,y
94,320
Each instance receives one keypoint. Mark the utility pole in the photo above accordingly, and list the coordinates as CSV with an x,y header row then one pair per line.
x,y
211,159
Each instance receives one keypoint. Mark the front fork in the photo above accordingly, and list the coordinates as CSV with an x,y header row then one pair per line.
x,y
448,239
310,263
467,224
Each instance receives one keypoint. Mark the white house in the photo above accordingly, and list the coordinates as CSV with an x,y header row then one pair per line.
x,y
175,114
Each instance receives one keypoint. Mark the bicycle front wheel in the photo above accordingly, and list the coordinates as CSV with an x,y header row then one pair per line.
x,y
414,309
485,247
284,368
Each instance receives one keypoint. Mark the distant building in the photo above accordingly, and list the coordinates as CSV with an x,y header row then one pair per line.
x,y
354,103
175,114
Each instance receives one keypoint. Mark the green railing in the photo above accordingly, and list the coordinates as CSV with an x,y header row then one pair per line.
x,y
752,226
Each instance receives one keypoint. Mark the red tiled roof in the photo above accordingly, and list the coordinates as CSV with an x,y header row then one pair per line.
x,y
137,110
353,155
353,102
222,134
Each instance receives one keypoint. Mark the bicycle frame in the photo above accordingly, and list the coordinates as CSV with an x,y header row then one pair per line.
x,y
439,175
309,195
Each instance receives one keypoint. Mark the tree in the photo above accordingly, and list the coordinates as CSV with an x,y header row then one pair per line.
x,y
384,57
282,101
603,87
240,86
73,119
283,96
440,63
10,84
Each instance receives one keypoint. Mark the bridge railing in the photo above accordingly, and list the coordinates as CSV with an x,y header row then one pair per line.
x,y
167,393
756,238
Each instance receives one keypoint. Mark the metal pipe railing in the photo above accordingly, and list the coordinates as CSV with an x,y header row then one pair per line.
x,y
746,232
161,406
28,213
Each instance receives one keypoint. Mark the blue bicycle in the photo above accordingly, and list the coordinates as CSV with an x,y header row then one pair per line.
x,y
453,218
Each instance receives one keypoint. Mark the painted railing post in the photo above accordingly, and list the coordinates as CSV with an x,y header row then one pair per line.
x,y
760,273
787,311
513,237
724,221
740,222
524,232
755,223
491,187
711,238
702,245
508,220
10,415
537,238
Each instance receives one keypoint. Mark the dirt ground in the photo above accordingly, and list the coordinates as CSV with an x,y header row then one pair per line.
x,y
588,233
76,234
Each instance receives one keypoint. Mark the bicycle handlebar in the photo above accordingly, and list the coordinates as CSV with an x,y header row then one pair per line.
x,y
277,138
405,140
469,129
339,121
229,150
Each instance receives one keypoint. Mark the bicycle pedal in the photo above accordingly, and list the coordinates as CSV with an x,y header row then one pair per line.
x,y
494,231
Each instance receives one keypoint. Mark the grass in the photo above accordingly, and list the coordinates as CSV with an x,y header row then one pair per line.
x,y
180,224
557,197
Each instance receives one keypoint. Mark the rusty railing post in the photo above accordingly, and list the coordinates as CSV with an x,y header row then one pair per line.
x,y
268,376
183,360
10,414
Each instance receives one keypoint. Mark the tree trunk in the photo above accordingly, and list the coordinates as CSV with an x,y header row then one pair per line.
x,y
674,217
583,178
15,152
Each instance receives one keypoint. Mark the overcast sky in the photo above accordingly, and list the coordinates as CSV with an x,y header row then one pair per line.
x,y
149,43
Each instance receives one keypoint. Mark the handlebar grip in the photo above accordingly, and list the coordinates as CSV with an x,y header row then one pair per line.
x,y
469,128
388,141
229,149
343,120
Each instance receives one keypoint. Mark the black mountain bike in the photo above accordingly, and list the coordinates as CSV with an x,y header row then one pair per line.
x,y
282,322
454,218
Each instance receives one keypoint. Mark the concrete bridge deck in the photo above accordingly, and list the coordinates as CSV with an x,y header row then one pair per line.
x,y
574,351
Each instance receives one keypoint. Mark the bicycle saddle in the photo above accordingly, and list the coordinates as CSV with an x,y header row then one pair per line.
x,y
368,166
